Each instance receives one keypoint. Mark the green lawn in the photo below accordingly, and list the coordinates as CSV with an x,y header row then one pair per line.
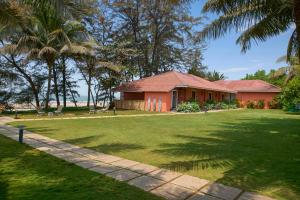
x,y
257,150
30,174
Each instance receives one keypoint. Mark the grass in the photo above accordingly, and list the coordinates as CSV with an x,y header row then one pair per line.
x,y
74,113
26,173
256,150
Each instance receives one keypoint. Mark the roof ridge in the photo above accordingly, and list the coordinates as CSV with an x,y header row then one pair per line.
x,y
176,74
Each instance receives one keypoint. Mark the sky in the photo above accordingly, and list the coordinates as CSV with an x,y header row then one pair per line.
x,y
225,56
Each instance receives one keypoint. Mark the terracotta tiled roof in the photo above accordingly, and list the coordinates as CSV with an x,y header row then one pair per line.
x,y
249,86
167,81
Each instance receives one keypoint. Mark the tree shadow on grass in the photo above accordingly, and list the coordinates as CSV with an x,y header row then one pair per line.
x,y
255,154
116,147
42,130
30,174
104,148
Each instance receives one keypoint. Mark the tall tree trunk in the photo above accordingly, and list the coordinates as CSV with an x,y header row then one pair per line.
x,y
55,86
36,97
48,85
64,78
28,78
297,22
89,85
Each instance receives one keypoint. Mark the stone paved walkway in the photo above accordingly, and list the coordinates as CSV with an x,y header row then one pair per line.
x,y
164,183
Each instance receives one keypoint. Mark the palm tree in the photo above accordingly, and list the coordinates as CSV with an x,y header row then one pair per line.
x,y
290,71
215,76
257,19
18,12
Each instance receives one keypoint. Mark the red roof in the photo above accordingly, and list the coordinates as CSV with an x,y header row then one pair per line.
x,y
249,86
167,81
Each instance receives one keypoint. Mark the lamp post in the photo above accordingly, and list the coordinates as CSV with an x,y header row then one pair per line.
x,y
21,133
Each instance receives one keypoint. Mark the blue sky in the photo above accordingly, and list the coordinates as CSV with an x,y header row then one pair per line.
x,y
225,56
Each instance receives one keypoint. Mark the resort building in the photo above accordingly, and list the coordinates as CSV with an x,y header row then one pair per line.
x,y
165,91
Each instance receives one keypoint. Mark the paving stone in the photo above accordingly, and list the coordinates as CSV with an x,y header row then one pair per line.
x,y
123,175
75,158
83,151
33,143
190,182
63,145
104,157
143,168
201,196
165,175
48,149
253,196
88,164
172,192
221,191
124,163
104,168
146,182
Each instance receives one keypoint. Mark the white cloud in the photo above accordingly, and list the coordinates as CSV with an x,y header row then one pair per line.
x,y
235,69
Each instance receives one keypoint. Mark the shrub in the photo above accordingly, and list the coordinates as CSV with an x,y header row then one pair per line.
x,y
290,97
250,104
261,104
188,107
232,106
275,103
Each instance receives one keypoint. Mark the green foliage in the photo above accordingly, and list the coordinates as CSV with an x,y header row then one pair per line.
x,y
270,77
261,104
275,103
290,97
212,105
188,107
251,104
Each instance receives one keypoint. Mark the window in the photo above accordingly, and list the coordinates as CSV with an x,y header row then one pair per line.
x,y
194,95
223,97
210,97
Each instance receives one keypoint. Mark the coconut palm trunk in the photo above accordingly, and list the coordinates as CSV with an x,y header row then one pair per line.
x,y
297,22
64,79
89,85
48,85
55,86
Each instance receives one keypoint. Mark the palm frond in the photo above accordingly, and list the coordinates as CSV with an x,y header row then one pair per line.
x,y
293,46
8,49
109,65
13,13
281,59
76,50
33,54
59,36
26,43
270,26
47,53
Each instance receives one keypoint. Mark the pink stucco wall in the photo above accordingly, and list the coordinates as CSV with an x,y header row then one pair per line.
x,y
244,97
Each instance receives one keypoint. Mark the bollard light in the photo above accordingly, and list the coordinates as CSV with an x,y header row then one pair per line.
x,y
114,110
21,133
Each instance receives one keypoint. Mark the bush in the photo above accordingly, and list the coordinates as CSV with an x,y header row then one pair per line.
x,y
261,104
275,103
188,107
290,97
250,104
